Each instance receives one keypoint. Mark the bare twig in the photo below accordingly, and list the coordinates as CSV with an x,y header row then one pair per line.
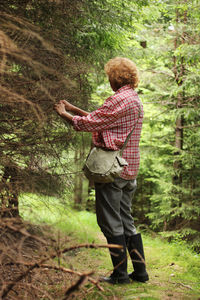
x,y
182,284
142,261
38,289
7,288
75,286
158,72
189,126
92,246
95,282
23,231
60,268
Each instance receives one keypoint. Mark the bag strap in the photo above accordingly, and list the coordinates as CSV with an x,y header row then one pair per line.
x,y
130,133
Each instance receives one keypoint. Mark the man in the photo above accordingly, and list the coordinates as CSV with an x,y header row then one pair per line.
x,y
110,125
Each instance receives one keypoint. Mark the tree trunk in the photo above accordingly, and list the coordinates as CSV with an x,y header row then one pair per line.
x,y
79,155
179,72
9,193
77,179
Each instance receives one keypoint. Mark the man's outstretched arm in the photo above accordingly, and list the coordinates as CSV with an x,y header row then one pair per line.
x,y
74,109
64,107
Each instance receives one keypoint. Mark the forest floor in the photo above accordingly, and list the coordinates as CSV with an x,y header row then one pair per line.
x,y
168,276
174,269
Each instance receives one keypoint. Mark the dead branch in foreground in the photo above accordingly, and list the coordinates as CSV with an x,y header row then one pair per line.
x,y
13,257
10,285
76,285
60,268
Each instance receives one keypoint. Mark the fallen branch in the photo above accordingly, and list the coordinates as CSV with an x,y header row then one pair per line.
x,y
95,282
182,284
142,261
76,285
92,246
38,289
7,288
23,231
185,285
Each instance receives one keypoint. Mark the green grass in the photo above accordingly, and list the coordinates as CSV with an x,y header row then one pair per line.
x,y
49,210
177,259
174,269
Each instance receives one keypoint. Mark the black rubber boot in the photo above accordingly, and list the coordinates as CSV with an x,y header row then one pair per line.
x,y
119,260
136,251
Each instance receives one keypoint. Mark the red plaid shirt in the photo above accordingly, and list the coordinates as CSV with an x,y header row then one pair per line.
x,y
112,122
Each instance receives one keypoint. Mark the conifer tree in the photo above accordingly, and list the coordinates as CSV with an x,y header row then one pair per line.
x,y
170,165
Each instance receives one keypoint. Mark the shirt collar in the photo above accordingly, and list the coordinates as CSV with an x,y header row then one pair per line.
x,y
123,88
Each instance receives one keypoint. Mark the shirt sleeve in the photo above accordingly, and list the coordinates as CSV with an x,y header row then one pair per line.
x,y
103,118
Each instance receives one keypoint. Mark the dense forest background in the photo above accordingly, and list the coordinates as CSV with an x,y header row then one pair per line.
x,y
52,50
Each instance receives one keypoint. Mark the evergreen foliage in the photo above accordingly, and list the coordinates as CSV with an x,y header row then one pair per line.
x,y
168,193
51,50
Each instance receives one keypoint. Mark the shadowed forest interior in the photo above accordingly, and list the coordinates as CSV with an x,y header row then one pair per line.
x,y
53,50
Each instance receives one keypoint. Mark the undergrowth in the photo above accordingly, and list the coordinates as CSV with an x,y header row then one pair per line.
x,y
173,268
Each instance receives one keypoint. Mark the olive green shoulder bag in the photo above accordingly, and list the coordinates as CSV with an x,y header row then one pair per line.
x,y
104,165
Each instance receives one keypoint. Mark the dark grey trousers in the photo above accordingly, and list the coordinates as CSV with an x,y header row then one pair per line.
x,y
113,207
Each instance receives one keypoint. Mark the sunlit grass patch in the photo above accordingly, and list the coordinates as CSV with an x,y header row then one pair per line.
x,y
173,262
50,210
173,268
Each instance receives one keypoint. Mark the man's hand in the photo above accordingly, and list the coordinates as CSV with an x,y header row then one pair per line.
x,y
63,106
60,108
68,106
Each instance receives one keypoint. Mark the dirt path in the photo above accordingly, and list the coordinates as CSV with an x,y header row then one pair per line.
x,y
165,280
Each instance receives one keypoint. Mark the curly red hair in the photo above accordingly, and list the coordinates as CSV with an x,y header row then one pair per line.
x,y
122,71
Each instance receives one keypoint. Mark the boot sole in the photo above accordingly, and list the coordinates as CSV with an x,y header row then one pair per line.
x,y
139,278
115,280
